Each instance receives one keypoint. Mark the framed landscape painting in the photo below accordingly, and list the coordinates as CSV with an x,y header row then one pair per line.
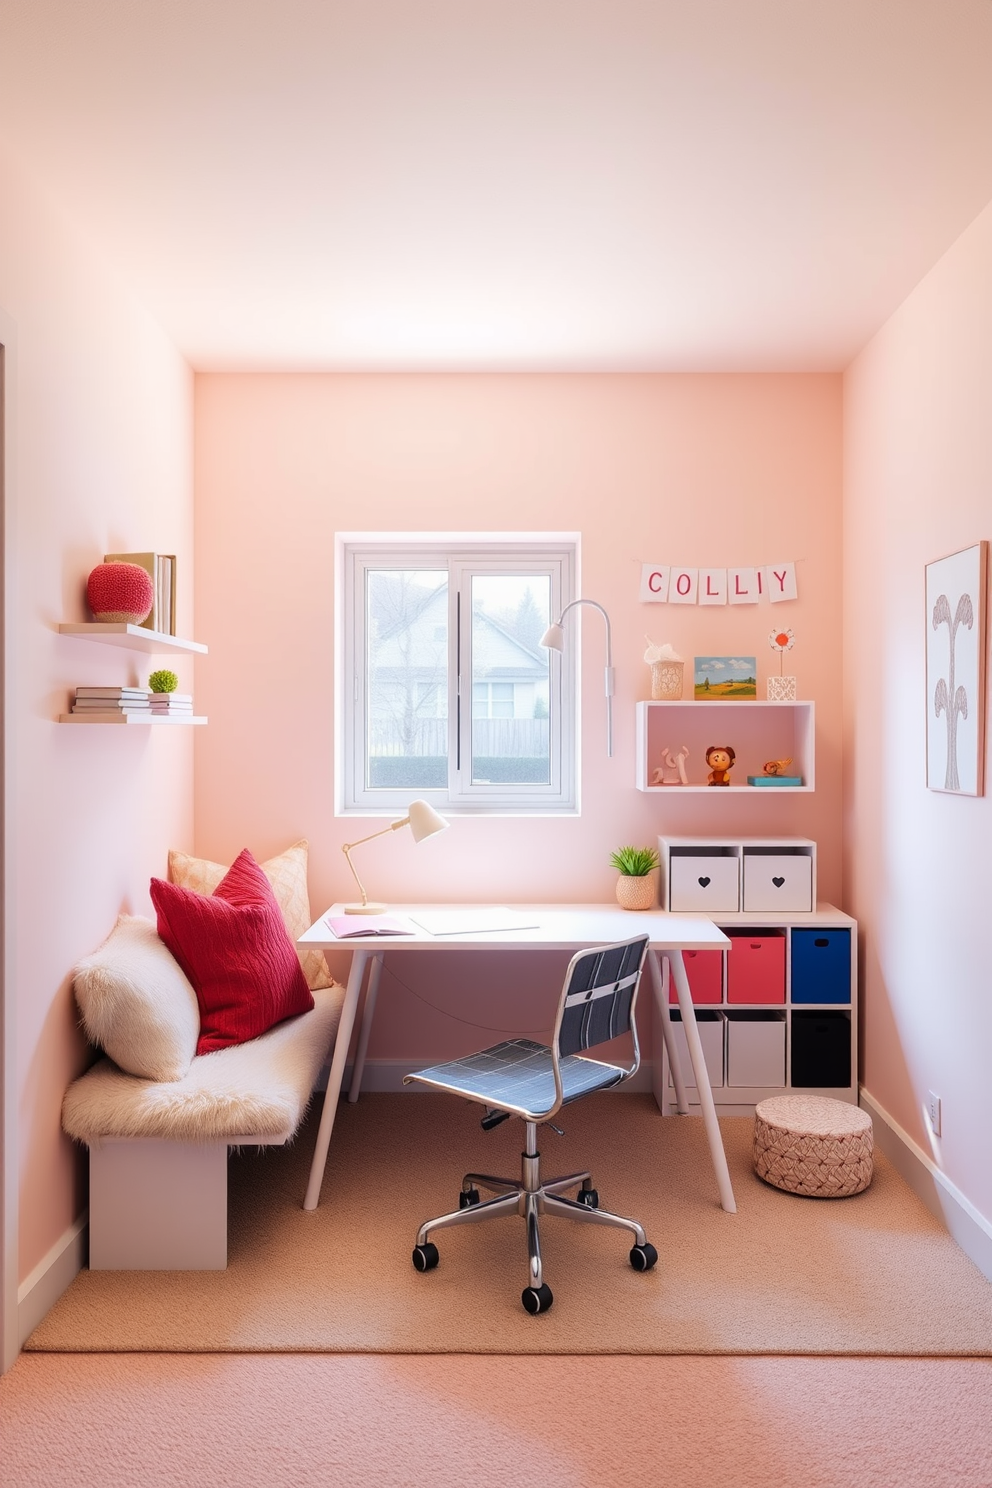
x,y
719,677
956,648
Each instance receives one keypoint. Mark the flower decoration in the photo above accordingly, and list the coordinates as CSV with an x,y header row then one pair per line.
x,y
665,652
781,641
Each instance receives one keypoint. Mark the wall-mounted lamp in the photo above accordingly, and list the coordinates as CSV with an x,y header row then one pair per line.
x,y
554,639
422,820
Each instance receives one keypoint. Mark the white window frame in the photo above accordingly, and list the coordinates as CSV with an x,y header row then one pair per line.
x,y
462,555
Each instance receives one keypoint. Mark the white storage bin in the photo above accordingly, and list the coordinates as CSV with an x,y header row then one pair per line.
x,y
707,882
777,881
711,1030
755,1049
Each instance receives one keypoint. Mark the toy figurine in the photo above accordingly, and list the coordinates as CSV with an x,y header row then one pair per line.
x,y
672,771
776,767
720,758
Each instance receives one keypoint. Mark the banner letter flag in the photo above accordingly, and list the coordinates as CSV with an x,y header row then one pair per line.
x,y
654,583
742,586
664,583
781,581
712,586
683,585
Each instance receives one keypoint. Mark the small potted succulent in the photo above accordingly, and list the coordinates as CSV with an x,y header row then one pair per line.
x,y
637,886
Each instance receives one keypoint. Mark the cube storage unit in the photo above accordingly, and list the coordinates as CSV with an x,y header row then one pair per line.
x,y
787,1010
753,875
756,730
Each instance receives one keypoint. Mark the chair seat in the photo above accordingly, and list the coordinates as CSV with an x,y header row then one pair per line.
x,y
518,1075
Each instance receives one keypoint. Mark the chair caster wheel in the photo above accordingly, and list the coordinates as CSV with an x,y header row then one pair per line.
x,y
425,1257
537,1299
468,1197
589,1197
643,1257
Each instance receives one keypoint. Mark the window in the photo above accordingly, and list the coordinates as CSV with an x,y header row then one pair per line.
x,y
449,693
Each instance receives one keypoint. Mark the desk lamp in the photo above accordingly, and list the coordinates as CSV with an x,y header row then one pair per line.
x,y
554,640
422,820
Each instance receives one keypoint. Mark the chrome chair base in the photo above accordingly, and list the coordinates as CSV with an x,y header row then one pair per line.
x,y
530,1198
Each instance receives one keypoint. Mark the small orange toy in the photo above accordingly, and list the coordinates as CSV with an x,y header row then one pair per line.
x,y
720,758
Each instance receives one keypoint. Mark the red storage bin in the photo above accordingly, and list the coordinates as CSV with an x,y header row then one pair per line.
x,y
756,967
704,970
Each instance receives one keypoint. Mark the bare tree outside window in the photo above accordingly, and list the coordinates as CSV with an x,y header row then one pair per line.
x,y
407,631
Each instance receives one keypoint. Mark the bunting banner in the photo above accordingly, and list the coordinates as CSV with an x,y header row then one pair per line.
x,y
665,583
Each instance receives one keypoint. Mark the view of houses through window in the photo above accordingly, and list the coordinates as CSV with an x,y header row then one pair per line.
x,y
444,689
409,662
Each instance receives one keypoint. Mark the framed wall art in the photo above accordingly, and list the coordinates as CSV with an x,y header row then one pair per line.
x,y
956,649
718,677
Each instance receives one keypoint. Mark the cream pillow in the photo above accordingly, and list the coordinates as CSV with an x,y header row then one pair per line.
x,y
137,1004
288,876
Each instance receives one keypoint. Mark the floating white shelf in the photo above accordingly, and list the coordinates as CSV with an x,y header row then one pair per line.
x,y
97,715
756,730
135,637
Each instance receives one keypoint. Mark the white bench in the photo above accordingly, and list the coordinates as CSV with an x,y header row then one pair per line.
x,y
158,1147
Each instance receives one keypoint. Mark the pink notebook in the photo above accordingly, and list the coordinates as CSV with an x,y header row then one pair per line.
x,y
347,926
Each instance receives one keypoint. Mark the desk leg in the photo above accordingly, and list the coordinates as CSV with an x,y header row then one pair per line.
x,y
719,1157
674,1064
371,993
335,1077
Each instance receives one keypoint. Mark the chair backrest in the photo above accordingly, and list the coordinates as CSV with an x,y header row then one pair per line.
x,y
599,996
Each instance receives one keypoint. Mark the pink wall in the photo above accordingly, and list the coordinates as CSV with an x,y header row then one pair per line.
x,y
919,486
696,469
101,443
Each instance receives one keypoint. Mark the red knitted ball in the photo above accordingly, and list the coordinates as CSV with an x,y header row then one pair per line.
x,y
118,592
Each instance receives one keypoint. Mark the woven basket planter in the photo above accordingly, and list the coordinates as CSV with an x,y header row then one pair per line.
x,y
637,893
812,1145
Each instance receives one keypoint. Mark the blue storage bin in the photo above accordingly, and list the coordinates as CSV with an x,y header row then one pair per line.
x,y
821,965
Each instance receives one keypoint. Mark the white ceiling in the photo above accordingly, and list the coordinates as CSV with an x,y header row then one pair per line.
x,y
529,184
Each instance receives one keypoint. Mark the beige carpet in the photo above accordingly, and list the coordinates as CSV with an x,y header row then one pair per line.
x,y
448,1420
872,1274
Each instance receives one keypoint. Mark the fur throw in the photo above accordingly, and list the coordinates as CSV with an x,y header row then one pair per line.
x,y
254,1091
137,1004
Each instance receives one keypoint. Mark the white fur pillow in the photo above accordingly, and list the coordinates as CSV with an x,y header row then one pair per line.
x,y
137,1004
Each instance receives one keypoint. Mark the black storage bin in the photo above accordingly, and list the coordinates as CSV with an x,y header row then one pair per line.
x,y
821,1050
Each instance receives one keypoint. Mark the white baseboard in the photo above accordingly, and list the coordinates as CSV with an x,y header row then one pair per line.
x,y
39,1291
956,1212
385,1077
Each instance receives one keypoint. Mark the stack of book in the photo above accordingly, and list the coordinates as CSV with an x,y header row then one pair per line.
x,y
174,704
162,569
112,700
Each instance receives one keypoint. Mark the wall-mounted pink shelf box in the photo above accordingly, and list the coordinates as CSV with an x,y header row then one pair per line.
x,y
757,731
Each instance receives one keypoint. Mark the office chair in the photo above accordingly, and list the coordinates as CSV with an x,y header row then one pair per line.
x,y
533,1081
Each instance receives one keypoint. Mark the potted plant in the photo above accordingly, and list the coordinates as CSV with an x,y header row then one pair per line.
x,y
637,884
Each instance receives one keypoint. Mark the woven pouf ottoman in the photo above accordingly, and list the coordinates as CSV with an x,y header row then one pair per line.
x,y
809,1144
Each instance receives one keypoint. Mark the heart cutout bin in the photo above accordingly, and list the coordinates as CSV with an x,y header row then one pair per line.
x,y
704,883
778,882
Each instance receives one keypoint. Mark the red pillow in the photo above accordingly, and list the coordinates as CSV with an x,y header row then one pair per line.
x,y
234,948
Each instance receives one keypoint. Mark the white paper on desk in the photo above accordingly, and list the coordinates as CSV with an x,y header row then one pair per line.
x,y
471,921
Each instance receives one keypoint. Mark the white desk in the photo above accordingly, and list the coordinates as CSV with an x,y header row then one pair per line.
x,y
567,927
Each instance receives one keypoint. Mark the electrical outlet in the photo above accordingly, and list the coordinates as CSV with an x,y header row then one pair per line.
x,y
933,1112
